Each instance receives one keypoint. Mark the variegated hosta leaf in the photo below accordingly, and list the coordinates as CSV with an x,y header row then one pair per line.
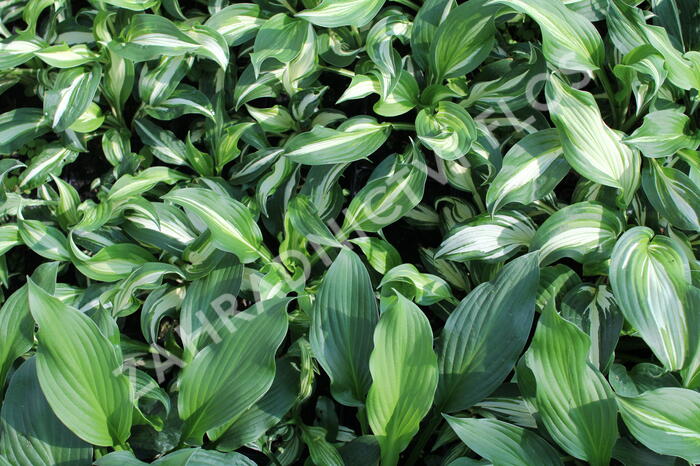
x,y
650,278
231,224
585,232
449,131
63,56
404,377
570,41
19,126
393,191
71,94
531,169
238,23
17,50
423,288
664,133
573,399
380,50
488,237
334,13
590,146
425,25
354,139
280,38
158,83
148,37
665,420
463,40
673,194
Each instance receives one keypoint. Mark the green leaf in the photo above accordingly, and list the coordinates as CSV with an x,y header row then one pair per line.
x,y
32,434
665,420
531,169
485,334
574,401
673,194
266,412
449,131
71,95
244,361
503,443
17,50
355,139
585,232
404,377
663,133
590,146
231,224
344,316
80,372
63,56
650,279
335,13
488,237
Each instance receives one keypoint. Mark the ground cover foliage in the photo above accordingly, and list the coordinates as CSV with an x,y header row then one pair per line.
x,y
349,232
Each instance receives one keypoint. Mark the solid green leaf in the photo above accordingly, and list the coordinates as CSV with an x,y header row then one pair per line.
x,y
80,372
244,361
485,334
503,443
344,316
404,377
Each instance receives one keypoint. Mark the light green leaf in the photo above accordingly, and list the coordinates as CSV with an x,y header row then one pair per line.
x,y
404,377
355,139
16,50
63,56
134,5
129,186
231,224
665,420
80,372
380,254
335,13
425,25
574,401
32,434
650,279
590,146
503,443
281,38
344,316
244,361
485,335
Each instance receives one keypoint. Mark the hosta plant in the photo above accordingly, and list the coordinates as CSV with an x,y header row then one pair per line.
x,y
349,232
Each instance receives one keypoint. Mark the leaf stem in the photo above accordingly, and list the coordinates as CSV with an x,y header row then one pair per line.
x,y
425,435
289,7
605,82
404,126
408,3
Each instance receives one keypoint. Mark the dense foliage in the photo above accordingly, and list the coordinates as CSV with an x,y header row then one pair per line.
x,y
349,232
